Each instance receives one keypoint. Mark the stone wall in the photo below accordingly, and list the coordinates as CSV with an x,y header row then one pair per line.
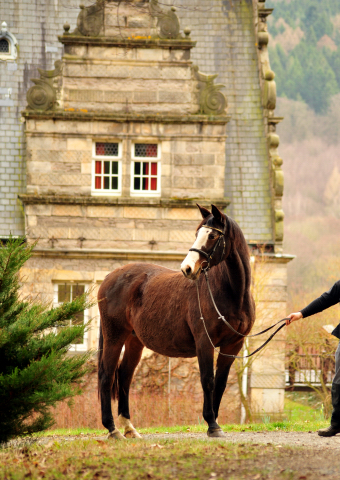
x,y
145,80
59,155
124,227
267,378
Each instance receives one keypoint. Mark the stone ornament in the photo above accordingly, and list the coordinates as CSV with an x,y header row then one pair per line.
x,y
168,23
42,96
269,103
91,19
211,100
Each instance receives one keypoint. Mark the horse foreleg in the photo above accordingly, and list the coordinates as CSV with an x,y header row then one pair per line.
x,y
205,355
131,358
107,371
222,372
221,379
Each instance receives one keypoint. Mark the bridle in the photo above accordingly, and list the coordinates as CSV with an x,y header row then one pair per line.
x,y
210,255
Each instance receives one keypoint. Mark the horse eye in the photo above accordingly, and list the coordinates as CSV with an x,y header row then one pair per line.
x,y
211,236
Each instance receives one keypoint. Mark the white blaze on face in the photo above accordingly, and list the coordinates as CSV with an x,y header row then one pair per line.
x,y
192,262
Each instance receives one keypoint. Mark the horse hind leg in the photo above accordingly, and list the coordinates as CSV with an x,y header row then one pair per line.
x,y
131,358
108,361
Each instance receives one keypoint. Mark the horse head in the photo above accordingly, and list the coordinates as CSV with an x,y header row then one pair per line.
x,y
209,248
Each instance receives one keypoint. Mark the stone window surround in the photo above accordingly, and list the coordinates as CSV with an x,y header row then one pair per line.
x,y
118,158
82,347
12,42
144,193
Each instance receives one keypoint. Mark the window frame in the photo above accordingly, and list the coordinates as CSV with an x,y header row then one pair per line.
x,y
12,43
118,158
146,193
74,347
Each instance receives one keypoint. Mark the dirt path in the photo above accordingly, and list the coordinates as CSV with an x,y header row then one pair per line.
x,y
306,439
302,439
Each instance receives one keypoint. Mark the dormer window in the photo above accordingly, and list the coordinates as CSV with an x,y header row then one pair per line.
x,y
8,44
4,45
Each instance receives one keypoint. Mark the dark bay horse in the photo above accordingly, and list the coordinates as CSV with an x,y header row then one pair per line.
x,y
143,305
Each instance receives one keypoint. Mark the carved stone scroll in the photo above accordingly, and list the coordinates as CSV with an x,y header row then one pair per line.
x,y
91,19
42,96
212,101
168,23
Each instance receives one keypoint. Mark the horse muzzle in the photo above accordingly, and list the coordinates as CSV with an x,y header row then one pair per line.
x,y
188,272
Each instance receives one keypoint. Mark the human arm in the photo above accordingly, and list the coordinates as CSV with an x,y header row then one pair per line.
x,y
325,300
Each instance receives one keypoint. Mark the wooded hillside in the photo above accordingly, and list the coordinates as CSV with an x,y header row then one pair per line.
x,y
305,53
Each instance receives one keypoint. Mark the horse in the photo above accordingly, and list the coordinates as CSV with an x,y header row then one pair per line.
x,y
144,305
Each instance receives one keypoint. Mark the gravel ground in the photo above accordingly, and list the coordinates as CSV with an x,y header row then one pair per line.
x,y
308,439
302,439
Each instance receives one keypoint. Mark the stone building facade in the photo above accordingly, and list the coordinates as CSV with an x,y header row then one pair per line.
x,y
117,140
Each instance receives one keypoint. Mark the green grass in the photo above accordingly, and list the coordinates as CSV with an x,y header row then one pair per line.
x,y
285,425
135,459
302,413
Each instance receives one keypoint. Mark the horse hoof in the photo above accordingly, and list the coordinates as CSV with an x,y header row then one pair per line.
x,y
115,435
216,433
132,434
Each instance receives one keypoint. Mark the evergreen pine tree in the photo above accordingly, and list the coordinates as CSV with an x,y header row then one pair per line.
x,y
35,370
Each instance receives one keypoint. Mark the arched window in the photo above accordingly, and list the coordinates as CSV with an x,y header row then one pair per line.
x,y
4,45
8,44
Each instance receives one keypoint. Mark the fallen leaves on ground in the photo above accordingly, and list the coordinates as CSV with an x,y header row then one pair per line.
x,y
95,459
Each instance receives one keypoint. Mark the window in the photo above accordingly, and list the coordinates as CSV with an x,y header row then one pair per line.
x,y
8,44
4,45
145,169
106,169
66,292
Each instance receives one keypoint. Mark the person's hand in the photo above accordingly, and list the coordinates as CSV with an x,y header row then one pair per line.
x,y
292,317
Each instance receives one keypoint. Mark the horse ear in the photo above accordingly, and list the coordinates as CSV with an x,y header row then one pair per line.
x,y
204,211
218,215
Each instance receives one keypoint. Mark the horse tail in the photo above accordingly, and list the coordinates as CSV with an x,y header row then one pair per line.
x,y
100,359
101,371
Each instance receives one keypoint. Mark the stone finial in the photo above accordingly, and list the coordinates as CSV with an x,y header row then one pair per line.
x,y
3,28
212,101
67,27
187,31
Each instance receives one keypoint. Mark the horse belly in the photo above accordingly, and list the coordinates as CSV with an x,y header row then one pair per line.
x,y
165,338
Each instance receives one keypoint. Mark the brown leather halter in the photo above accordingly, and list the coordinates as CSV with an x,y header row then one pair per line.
x,y
210,255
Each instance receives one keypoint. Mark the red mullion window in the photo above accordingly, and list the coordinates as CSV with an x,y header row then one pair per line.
x,y
154,169
98,171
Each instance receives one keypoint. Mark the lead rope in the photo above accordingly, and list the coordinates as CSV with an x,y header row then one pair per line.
x,y
227,323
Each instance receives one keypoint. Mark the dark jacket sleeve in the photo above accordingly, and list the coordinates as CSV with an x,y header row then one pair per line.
x,y
326,300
